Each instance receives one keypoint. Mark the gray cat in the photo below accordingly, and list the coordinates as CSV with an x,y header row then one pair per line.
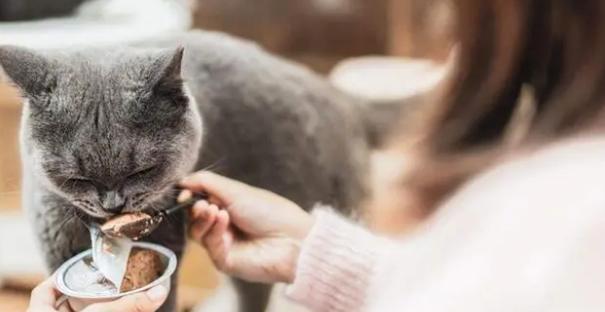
x,y
110,131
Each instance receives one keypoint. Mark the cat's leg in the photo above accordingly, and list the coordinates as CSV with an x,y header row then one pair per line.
x,y
252,297
61,234
171,234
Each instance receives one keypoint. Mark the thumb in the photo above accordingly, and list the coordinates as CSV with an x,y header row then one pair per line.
x,y
148,301
225,189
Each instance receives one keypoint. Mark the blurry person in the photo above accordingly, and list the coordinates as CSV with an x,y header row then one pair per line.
x,y
511,163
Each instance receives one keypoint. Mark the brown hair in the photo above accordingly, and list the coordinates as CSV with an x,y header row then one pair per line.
x,y
554,48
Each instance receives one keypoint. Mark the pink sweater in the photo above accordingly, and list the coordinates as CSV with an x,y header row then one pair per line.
x,y
525,236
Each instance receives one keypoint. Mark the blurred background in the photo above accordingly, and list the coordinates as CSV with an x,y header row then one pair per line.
x,y
379,49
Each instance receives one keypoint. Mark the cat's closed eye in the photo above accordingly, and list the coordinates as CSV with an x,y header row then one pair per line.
x,y
78,182
142,173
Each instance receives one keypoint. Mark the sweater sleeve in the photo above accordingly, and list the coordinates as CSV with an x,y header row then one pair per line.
x,y
336,265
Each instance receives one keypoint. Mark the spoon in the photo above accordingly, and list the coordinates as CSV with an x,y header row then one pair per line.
x,y
138,224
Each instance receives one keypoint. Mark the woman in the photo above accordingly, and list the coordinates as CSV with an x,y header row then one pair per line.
x,y
513,160
511,164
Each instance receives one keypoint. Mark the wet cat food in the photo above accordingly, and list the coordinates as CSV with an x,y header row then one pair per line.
x,y
144,266
131,225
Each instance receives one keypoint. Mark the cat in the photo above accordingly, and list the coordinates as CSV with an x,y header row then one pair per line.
x,y
111,130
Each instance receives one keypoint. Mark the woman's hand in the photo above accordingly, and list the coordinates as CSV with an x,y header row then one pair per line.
x,y
44,298
256,237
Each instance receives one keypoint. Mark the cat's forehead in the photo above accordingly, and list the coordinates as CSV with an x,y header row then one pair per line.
x,y
113,70
104,90
109,79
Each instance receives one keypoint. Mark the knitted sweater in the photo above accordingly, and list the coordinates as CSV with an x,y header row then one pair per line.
x,y
526,235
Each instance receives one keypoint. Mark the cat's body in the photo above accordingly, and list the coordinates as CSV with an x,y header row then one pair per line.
x,y
265,121
274,124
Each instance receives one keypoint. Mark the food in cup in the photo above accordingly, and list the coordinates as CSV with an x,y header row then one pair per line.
x,y
144,266
82,283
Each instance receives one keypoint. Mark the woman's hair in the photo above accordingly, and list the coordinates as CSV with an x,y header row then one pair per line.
x,y
553,52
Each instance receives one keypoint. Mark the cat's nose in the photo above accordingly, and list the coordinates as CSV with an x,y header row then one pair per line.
x,y
113,202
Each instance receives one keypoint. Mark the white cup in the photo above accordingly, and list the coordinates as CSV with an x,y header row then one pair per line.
x,y
80,300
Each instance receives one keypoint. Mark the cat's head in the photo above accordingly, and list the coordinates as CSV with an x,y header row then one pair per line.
x,y
109,131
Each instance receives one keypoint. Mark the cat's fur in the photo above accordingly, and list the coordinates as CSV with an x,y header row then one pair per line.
x,y
109,115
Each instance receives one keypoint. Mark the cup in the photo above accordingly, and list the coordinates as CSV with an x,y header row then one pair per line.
x,y
78,300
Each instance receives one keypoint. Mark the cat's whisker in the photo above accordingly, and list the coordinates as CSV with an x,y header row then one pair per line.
x,y
215,165
88,207
79,218
161,194
66,180
73,215
67,219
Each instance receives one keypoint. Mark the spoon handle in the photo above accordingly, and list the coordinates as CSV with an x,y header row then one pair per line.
x,y
187,203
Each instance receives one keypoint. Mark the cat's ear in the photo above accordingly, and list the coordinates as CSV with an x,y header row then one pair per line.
x,y
168,80
30,71
171,65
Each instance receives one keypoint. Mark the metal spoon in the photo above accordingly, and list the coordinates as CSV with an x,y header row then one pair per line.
x,y
138,224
